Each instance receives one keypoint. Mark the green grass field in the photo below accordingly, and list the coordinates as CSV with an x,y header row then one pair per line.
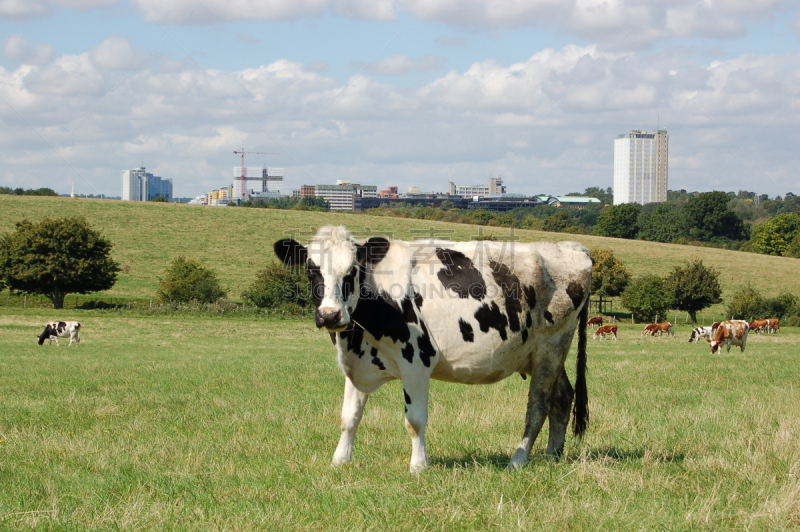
x,y
197,424
238,242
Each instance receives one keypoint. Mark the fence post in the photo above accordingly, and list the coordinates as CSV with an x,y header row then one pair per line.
x,y
8,297
25,302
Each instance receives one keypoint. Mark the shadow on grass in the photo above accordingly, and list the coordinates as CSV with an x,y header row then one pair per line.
x,y
477,459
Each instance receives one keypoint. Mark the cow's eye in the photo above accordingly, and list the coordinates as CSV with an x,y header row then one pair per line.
x,y
348,283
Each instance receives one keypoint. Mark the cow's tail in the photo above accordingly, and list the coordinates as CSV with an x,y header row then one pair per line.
x,y
580,410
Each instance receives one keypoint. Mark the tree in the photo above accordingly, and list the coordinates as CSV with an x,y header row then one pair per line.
x,y
647,297
159,199
793,248
746,304
618,221
774,236
709,219
609,274
56,257
560,222
694,287
661,222
185,280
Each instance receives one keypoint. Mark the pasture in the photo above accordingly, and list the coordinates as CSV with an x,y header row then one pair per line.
x,y
237,242
194,423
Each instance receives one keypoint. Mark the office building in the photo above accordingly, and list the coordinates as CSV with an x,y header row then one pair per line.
x,y
470,191
139,185
641,167
344,195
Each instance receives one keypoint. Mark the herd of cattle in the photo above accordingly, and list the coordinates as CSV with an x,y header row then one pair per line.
x,y
731,332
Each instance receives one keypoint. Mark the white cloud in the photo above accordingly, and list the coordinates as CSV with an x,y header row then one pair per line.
x,y
15,46
546,123
116,53
213,11
39,8
402,64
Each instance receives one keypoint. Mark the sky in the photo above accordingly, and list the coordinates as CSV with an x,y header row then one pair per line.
x,y
397,92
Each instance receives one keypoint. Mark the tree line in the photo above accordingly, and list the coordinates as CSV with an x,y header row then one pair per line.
x,y
720,219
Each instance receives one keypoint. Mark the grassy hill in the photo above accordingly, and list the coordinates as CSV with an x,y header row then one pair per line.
x,y
237,242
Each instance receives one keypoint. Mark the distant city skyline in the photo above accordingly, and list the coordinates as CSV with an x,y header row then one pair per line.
x,y
397,93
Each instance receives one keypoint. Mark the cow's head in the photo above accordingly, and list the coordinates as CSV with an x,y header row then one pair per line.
x,y
722,334
48,331
335,265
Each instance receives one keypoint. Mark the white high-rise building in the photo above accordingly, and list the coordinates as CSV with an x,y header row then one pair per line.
x,y
641,167
138,185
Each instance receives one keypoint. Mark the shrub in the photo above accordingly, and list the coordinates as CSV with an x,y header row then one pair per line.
x,y
187,280
647,297
276,285
746,304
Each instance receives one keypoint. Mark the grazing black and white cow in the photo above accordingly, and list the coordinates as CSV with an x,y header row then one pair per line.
x,y
700,332
54,329
468,312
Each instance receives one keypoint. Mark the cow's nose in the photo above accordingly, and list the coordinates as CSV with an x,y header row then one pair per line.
x,y
328,317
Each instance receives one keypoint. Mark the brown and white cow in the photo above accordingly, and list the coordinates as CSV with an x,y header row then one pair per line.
x,y
467,312
773,324
597,320
715,325
731,332
660,328
54,329
604,330
759,325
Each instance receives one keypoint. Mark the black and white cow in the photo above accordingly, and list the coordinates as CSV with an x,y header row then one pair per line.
x,y
467,312
700,332
54,329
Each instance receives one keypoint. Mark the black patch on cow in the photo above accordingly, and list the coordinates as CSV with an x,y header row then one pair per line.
x,y
491,317
290,252
373,351
378,362
524,335
408,352
349,283
374,250
460,275
528,320
418,299
548,316
407,398
48,331
62,326
466,330
317,282
509,284
381,316
333,338
408,311
575,293
354,338
426,349
530,296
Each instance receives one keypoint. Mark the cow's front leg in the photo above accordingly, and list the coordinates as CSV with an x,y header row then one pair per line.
x,y
352,409
415,394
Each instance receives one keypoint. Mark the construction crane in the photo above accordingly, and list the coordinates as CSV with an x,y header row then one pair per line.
x,y
242,178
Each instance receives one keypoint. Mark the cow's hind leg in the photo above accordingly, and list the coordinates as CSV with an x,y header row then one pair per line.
x,y
560,403
352,409
542,381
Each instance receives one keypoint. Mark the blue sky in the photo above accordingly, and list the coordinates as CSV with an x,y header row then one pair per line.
x,y
397,92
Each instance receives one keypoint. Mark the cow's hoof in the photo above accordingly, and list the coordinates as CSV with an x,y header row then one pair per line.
x,y
418,468
339,461
518,461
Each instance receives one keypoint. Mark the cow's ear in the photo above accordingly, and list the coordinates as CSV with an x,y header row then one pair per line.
x,y
290,252
373,250
708,340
